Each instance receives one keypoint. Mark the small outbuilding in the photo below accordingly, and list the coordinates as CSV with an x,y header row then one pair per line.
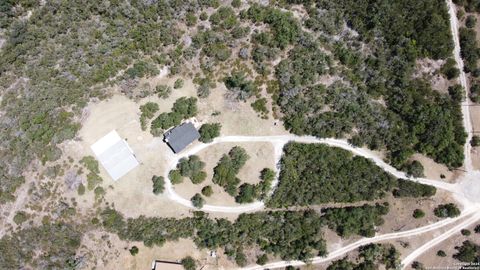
x,y
166,265
179,137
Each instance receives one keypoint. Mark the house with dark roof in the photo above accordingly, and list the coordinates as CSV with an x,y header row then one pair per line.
x,y
179,137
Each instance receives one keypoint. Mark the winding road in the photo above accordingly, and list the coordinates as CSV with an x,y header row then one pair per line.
x,y
466,190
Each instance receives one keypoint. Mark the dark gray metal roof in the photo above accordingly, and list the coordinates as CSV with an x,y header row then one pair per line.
x,y
181,136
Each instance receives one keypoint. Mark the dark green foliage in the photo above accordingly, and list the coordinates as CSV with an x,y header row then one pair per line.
x,y
418,213
133,250
414,168
262,259
441,253
99,192
468,252
475,141
315,174
469,48
426,22
267,176
183,108
457,93
189,263
175,177
343,264
449,69
192,167
260,106
81,189
178,83
372,257
207,191
90,163
20,217
163,91
247,193
240,86
284,28
447,210
469,5
158,184
408,30
142,69
225,173
385,254
236,3
241,259
197,200
209,131
412,189
418,265
148,111
49,246
355,220
475,92
224,18
471,21
465,232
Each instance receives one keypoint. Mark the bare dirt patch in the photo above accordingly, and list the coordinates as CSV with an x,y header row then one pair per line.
x,y
434,170
400,218
430,258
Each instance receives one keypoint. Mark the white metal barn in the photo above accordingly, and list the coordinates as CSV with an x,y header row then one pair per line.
x,y
115,155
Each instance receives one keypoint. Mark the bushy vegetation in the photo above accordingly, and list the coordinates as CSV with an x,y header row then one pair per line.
x,y
209,131
449,69
372,256
250,192
287,234
148,112
418,213
412,189
355,220
158,184
225,173
240,86
446,210
468,252
207,191
163,91
316,173
48,246
189,263
192,167
469,48
197,200
183,108
414,119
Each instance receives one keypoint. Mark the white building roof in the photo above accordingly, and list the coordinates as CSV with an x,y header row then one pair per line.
x,y
114,154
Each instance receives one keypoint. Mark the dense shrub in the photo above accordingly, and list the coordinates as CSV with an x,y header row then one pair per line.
x,y
158,184
418,213
449,69
468,252
207,191
225,173
209,131
408,188
446,210
188,263
355,220
316,174
197,200
192,167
